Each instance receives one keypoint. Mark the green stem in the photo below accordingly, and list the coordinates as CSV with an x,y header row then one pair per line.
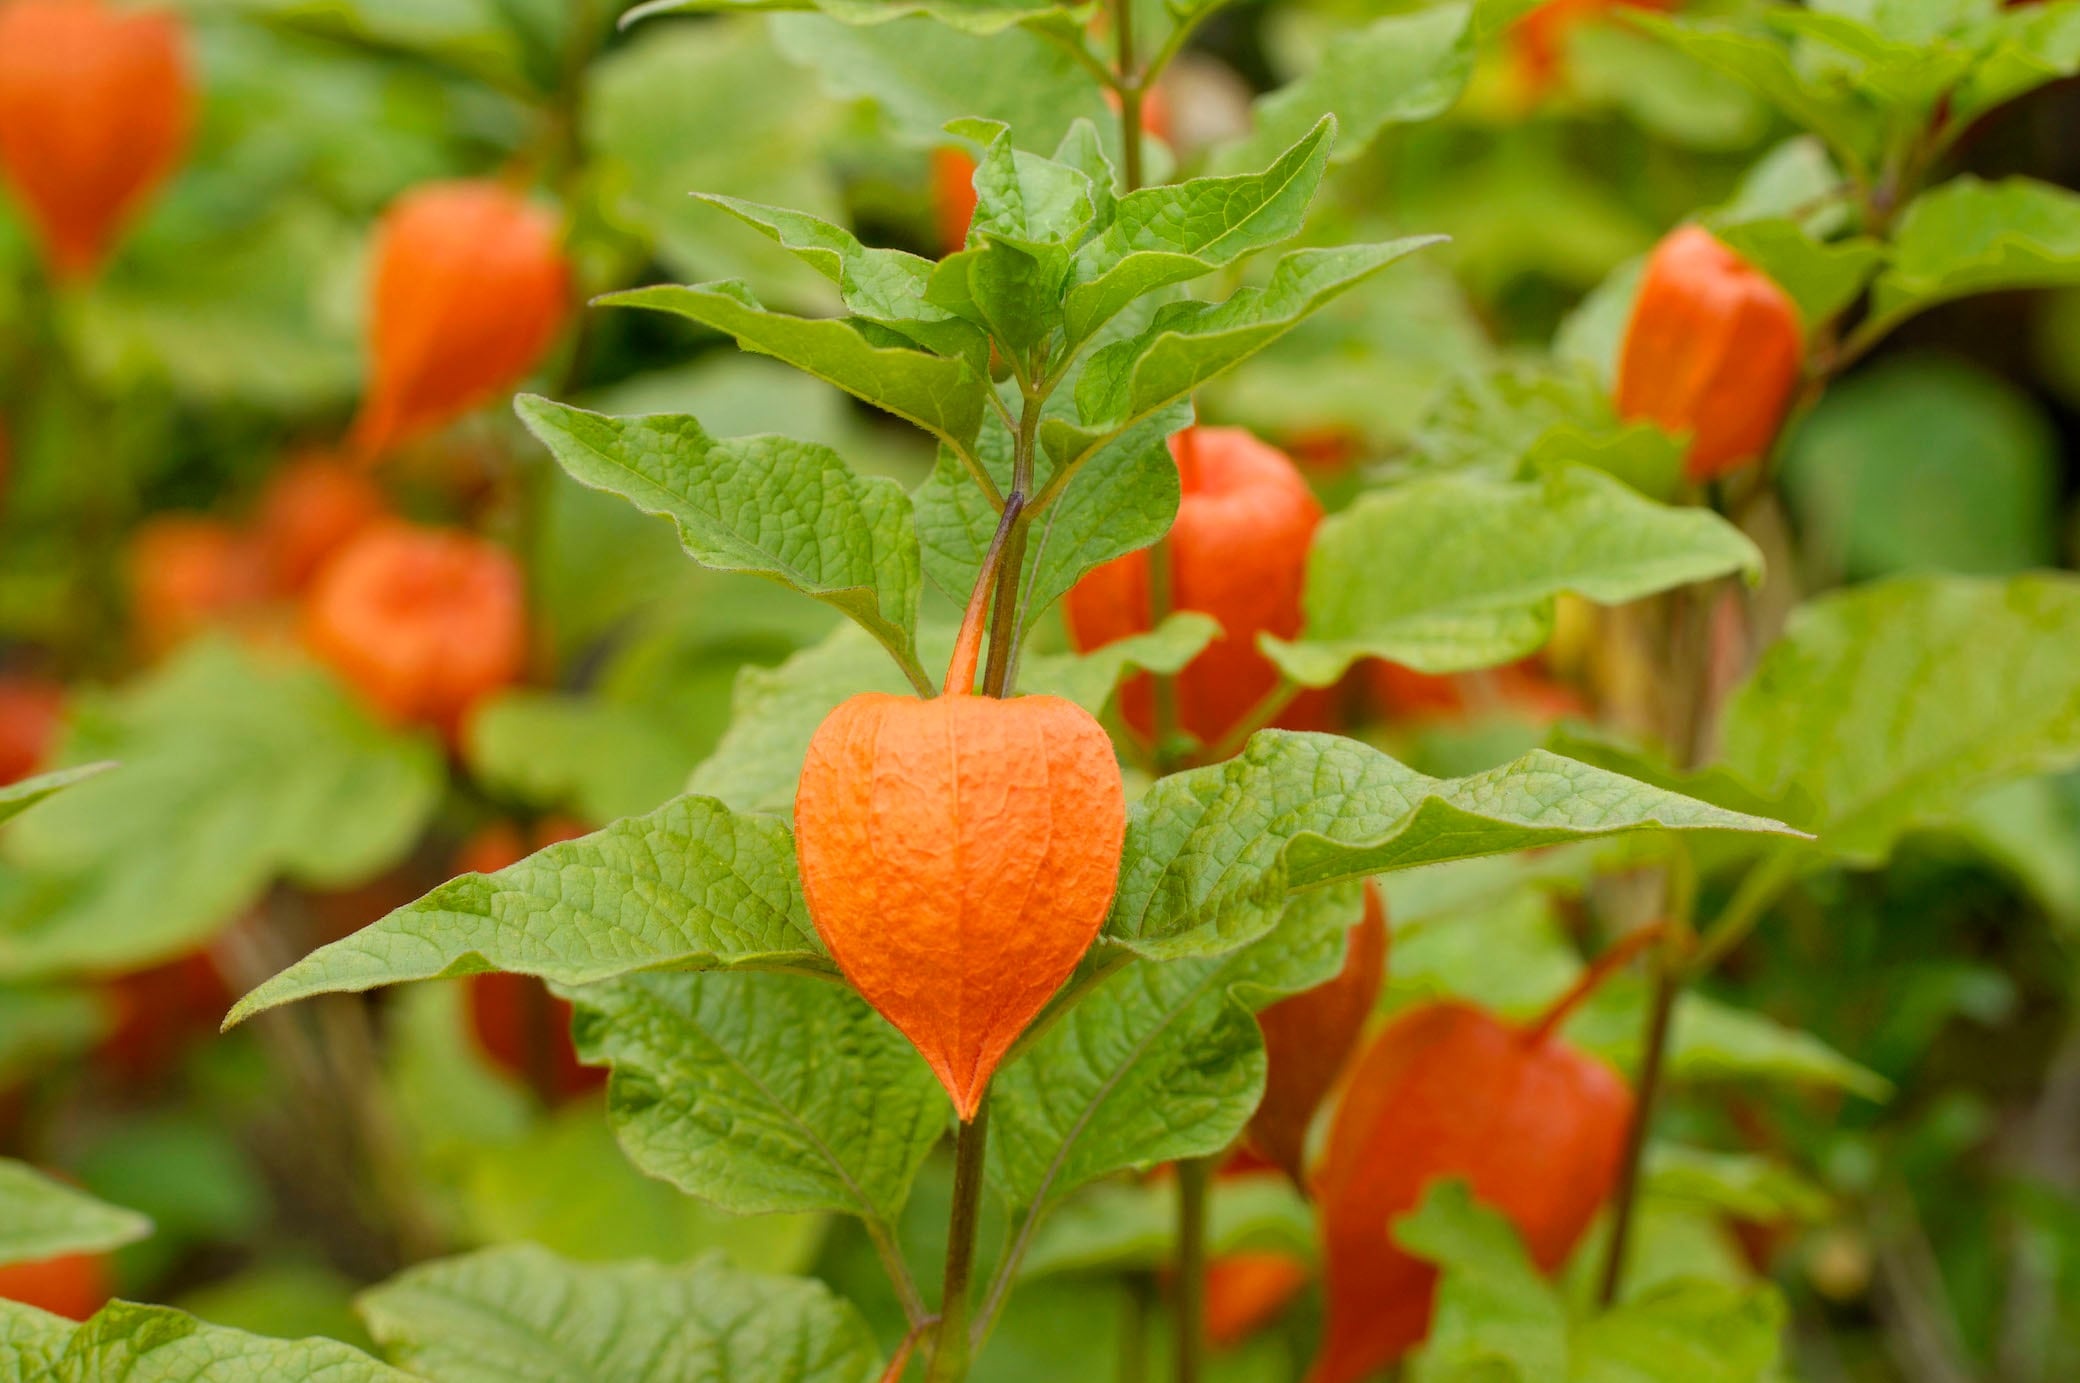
x,y
1667,985
1131,93
1268,708
950,1344
1749,902
1193,1174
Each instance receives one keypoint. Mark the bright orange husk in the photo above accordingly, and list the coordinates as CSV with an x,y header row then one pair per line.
x,y
470,288
31,712
1238,552
73,1285
953,198
958,856
311,508
1713,349
96,105
188,573
423,621
1247,1291
1308,1039
1540,37
1446,1090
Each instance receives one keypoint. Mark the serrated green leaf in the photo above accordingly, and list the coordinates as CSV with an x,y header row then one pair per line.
x,y
1823,104
18,797
1822,277
522,1315
1398,69
1164,235
943,396
692,885
236,769
42,1218
763,1093
791,511
1458,572
1088,679
559,751
1968,236
1743,1185
1156,1062
981,17
1979,681
1492,1306
1190,343
1211,853
128,1343
2029,46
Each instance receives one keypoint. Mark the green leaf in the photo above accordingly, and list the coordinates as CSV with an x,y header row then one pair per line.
x,y
1821,103
41,1218
1088,679
1211,853
1398,69
555,750
1168,234
1460,572
2029,47
1685,1332
237,770
1190,343
1741,1185
791,511
923,75
981,17
1822,277
941,395
763,1093
1156,1062
128,1343
1118,1226
1968,236
42,1024
18,797
692,885
1712,1042
1979,681
1492,1304
522,1315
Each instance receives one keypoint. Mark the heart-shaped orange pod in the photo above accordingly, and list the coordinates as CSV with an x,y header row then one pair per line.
x,y
1536,1128
1309,1038
471,287
96,105
1238,552
1712,349
423,621
958,856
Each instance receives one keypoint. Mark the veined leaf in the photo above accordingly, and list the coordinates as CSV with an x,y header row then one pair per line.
x,y
763,1093
520,1314
561,751
1821,103
944,396
692,885
1211,853
791,511
1460,571
981,17
1822,277
1893,705
42,1218
128,1343
1967,236
1167,234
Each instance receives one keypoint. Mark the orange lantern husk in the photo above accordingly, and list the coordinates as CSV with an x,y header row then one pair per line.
x,y
73,1285
1309,1038
1238,552
1536,1128
311,508
470,289
958,856
424,622
1713,349
32,712
96,107
953,198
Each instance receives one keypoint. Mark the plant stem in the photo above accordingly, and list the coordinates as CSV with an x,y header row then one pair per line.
x,y
950,1345
1193,1174
1131,93
1667,984
1756,892
1268,708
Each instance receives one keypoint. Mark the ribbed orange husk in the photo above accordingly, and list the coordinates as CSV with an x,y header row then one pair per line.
x,y
1713,349
96,105
1446,1090
953,198
1308,1039
423,621
958,856
470,288
1238,552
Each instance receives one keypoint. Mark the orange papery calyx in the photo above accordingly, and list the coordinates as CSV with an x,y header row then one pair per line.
x,y
959,854
96,107
1308,1040
1448,1090
470,288
953,197
1713,349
